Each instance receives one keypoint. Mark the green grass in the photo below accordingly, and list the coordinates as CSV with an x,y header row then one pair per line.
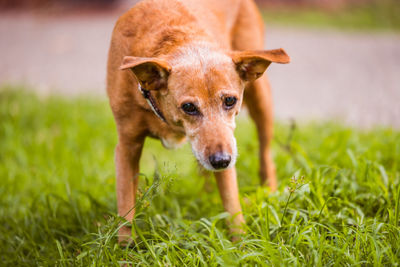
x,y
376,15
58,206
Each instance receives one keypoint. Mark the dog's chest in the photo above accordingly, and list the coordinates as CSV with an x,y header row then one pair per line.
x,y
173,140
171,136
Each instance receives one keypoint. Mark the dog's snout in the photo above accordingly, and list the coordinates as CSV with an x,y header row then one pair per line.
x,y
220,160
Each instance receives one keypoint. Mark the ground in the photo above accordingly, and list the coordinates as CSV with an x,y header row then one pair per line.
x,y
337,202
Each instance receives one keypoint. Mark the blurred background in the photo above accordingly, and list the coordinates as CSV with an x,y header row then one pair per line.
x,y
345,53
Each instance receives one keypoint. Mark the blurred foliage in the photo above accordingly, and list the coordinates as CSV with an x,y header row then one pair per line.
x,y
377,15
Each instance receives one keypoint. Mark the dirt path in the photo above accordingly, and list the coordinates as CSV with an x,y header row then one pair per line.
x,y
352,76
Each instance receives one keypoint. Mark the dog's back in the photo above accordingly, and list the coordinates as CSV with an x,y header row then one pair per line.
x,y
151,27
167,18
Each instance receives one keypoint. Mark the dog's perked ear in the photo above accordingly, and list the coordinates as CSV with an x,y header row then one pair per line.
x,y
152,73
252,64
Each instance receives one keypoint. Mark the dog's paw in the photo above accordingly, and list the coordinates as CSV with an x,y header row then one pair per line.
x,y
125,237
237,232
268,179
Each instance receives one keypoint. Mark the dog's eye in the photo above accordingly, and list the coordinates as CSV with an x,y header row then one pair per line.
x,y
190,108
229,102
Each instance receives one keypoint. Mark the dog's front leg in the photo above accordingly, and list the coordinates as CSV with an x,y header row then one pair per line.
x,y
127,156
259,102
228,190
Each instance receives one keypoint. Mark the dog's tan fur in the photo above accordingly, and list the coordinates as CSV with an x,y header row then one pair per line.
x,y
189,51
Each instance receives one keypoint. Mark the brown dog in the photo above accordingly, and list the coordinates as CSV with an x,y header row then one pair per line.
x,y
178,70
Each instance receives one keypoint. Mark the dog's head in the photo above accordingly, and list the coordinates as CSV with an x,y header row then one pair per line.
x,y
200,90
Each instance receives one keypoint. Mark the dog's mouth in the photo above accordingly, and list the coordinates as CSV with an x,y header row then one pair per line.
x,y
215,162
214,148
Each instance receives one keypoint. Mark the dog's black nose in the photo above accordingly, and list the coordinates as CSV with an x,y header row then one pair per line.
x,y
220,160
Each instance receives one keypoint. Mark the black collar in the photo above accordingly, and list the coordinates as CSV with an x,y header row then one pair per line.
x,y
147,95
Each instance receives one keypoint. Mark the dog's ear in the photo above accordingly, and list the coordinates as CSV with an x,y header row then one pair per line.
x,y
152,73
252,64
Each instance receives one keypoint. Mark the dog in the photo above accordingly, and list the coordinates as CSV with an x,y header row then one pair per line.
x,y
180,70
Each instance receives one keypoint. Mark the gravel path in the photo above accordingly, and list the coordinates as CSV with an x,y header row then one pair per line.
x,y
350,76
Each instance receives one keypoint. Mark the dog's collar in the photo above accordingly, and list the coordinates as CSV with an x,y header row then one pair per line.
x,y
147,95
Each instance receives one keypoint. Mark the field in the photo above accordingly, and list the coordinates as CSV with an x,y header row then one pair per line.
x,y
337,203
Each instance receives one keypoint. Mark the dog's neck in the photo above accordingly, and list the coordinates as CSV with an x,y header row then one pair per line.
x,y
152,103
